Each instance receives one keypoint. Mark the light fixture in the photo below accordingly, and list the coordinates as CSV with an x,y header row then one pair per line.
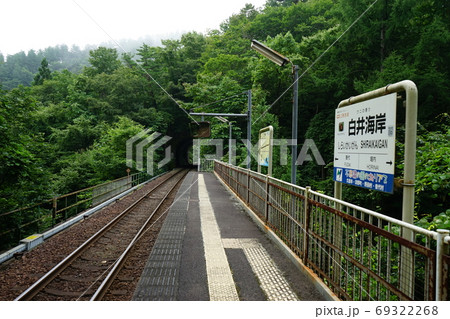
x,y
269,53
220,118
281,60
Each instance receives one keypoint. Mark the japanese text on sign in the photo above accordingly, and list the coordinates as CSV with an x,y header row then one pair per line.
x,y
368,125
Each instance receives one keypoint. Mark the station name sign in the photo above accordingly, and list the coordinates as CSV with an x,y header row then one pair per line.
x,y
364,144
265,149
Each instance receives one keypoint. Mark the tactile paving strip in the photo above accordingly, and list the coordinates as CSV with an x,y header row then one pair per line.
x,y
159,280
272,281
220,280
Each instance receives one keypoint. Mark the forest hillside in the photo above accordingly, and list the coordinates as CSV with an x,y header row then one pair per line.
x,y
65,115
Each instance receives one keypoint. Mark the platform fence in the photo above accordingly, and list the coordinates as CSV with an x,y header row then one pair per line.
x,y
20,223
358,253
206,165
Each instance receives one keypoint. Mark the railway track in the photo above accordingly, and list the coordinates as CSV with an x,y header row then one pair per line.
x,y
88,272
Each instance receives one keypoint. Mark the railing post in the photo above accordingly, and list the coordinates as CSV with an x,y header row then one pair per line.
x,y
337,233
54,210
65,208
439,261
19,232
306,225
266,206
248,186
38,224
249,129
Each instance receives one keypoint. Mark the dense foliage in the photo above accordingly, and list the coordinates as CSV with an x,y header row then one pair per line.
x,y
68,129
21,68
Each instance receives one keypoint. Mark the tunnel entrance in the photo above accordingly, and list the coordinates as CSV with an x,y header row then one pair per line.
x,y
183,153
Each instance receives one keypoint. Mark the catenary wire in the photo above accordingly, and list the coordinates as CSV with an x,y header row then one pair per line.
x,y
140,66
222,100
315,61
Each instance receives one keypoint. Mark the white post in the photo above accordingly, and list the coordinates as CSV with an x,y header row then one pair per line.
x,y
230,149
439,253
409,171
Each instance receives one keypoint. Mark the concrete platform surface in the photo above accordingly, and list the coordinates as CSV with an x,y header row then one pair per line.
x,y
210,249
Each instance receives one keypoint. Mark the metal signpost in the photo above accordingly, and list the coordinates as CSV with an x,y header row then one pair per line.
x,y
408,182
409,170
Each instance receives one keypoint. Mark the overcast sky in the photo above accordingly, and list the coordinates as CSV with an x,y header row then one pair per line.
x,y
37,24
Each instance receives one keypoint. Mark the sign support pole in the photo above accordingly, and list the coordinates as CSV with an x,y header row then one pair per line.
x,y
249,128
294,127
410,140
406,273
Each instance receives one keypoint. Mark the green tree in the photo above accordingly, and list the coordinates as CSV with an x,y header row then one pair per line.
x,y
44,73
103,60
433,176
15,71
109,152
104,160
77,136
23,176
56,88
75,124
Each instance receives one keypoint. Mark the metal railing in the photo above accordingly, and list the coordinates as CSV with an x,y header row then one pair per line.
x,y
22,222
359,254
206,165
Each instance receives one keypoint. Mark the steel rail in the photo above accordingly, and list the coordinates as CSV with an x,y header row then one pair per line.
x,y
41,283
104,286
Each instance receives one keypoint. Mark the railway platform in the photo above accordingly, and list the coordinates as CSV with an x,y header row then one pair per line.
x,y
210,249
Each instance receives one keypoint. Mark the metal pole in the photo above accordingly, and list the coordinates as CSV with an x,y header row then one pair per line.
x,y
266,205
248,186
249,129
306,213
338,191
439,253
199,151
294,127
409,171
410,138
219,114
230,151
198,154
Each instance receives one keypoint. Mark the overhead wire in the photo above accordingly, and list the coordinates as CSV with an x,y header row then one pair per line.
x,y
140,66
222,100
218,101
265,111
315,61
